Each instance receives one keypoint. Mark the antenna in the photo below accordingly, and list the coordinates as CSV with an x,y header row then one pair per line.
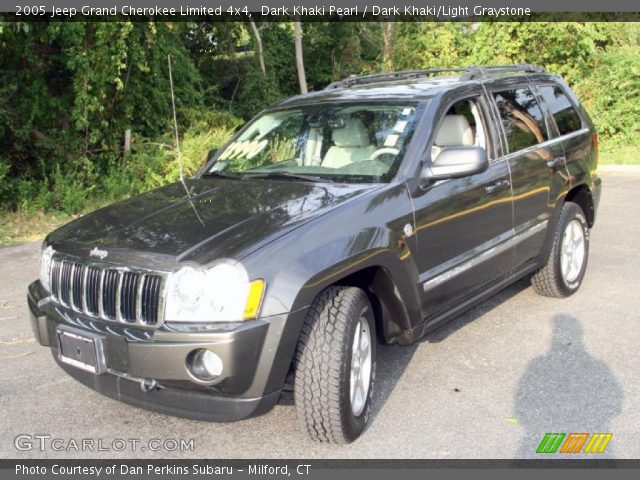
x,y
175,131
175,120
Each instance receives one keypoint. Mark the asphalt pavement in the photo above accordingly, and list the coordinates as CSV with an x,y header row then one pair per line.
x,y
490,384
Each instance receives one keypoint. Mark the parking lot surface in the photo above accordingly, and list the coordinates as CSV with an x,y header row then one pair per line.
x,y
490,384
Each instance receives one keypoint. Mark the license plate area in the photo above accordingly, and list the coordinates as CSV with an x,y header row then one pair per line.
x,y
83,350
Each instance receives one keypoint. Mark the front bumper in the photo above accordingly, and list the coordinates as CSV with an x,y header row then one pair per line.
x,y
256,357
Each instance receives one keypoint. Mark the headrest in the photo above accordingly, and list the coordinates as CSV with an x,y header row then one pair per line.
x,y
353,134
455,130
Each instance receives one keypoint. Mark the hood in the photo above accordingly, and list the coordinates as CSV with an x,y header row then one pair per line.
x,y
200,220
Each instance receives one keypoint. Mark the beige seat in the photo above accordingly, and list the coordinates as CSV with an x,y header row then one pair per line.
x,y
454,131
351,144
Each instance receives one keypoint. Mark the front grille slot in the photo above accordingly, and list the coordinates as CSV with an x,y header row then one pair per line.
x,y
109,293
93,290
65,283
77,284
106,292
56,266
128,296
150,299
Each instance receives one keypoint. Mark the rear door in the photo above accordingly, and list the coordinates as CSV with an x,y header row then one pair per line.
x,y
536,162
572,130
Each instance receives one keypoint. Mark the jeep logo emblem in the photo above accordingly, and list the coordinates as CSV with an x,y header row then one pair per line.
x,y
98,253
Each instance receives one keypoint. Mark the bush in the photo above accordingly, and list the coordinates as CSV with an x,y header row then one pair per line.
x,y
194,149
73,186
257,92
612,96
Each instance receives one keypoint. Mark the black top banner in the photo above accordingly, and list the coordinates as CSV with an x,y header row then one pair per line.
x,y
383,7
309,10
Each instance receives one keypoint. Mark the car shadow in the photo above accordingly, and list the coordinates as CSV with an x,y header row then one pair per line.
x,y
394,359
476,312
566,390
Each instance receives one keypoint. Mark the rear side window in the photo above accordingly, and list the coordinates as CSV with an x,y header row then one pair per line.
x,y
521,117
564,113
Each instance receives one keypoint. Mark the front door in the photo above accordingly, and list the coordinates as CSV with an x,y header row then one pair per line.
x,y
464,226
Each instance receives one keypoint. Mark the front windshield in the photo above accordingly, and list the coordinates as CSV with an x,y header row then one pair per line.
x,y
333,142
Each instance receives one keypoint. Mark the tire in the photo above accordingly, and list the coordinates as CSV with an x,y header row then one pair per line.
x,y
324,373
555,278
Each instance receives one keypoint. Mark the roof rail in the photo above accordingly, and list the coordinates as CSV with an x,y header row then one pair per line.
x,y
479,71
469,73
389,77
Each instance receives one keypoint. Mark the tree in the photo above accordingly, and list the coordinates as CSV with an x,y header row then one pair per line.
x,y
387,48
258,38
302,79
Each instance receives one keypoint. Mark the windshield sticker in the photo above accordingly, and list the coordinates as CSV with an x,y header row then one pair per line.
x,y
255,147
400,126
248,149
391,140
228,151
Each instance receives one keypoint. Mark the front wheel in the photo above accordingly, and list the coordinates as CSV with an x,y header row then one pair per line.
x,y
562,275
336,366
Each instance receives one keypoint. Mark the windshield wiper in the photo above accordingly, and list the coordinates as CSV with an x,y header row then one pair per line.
x,y
223,174
288,175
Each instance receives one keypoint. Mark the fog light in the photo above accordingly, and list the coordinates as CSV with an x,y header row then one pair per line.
x,y
204,365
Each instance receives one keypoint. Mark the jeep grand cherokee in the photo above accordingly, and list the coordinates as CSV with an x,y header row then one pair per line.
x,y
373,211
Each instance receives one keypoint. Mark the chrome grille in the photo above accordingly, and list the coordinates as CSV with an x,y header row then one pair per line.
x,y
103,291
150,297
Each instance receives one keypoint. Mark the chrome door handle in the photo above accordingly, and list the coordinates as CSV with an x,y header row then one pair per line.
x,y
497,186
557,162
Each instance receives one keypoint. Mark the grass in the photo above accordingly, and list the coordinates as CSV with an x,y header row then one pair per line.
x,y
20,227
626,155
30,226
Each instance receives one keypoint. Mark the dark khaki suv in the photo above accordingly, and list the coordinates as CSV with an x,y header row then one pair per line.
x,y
373,211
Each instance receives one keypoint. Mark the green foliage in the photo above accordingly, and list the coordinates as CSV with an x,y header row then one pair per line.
x,y
69,91
194,149
257,91
612,96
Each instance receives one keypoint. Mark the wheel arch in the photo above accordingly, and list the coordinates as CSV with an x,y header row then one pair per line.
x,y
582,196
387,281
390,312
386,292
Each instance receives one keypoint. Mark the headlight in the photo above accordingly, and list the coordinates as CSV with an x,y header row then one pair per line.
x,y
223,293
45,267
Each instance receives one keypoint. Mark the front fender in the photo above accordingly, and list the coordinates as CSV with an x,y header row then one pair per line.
x,y
367,232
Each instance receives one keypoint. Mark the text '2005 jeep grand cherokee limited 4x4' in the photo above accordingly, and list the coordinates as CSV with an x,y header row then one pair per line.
x,y
375,210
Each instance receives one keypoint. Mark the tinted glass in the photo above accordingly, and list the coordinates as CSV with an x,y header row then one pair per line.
x,y
522,118
563,111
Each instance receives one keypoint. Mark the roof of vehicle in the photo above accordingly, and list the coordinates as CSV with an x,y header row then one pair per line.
x,y
406,85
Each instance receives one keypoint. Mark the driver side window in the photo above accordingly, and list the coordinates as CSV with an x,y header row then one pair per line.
x,y
462,125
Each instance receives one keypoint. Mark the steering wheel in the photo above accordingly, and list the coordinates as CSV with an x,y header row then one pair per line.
x,y
384,151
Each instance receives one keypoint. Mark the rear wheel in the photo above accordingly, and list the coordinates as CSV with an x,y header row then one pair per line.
x,y
563,273
335,366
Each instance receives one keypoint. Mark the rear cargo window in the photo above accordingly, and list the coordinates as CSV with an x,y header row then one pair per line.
x,y
522,118
564,113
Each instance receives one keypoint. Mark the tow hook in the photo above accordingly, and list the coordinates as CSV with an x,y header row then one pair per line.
x,y
149,385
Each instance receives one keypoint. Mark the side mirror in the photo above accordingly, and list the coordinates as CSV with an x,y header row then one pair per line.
x,y
211,154
456,162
